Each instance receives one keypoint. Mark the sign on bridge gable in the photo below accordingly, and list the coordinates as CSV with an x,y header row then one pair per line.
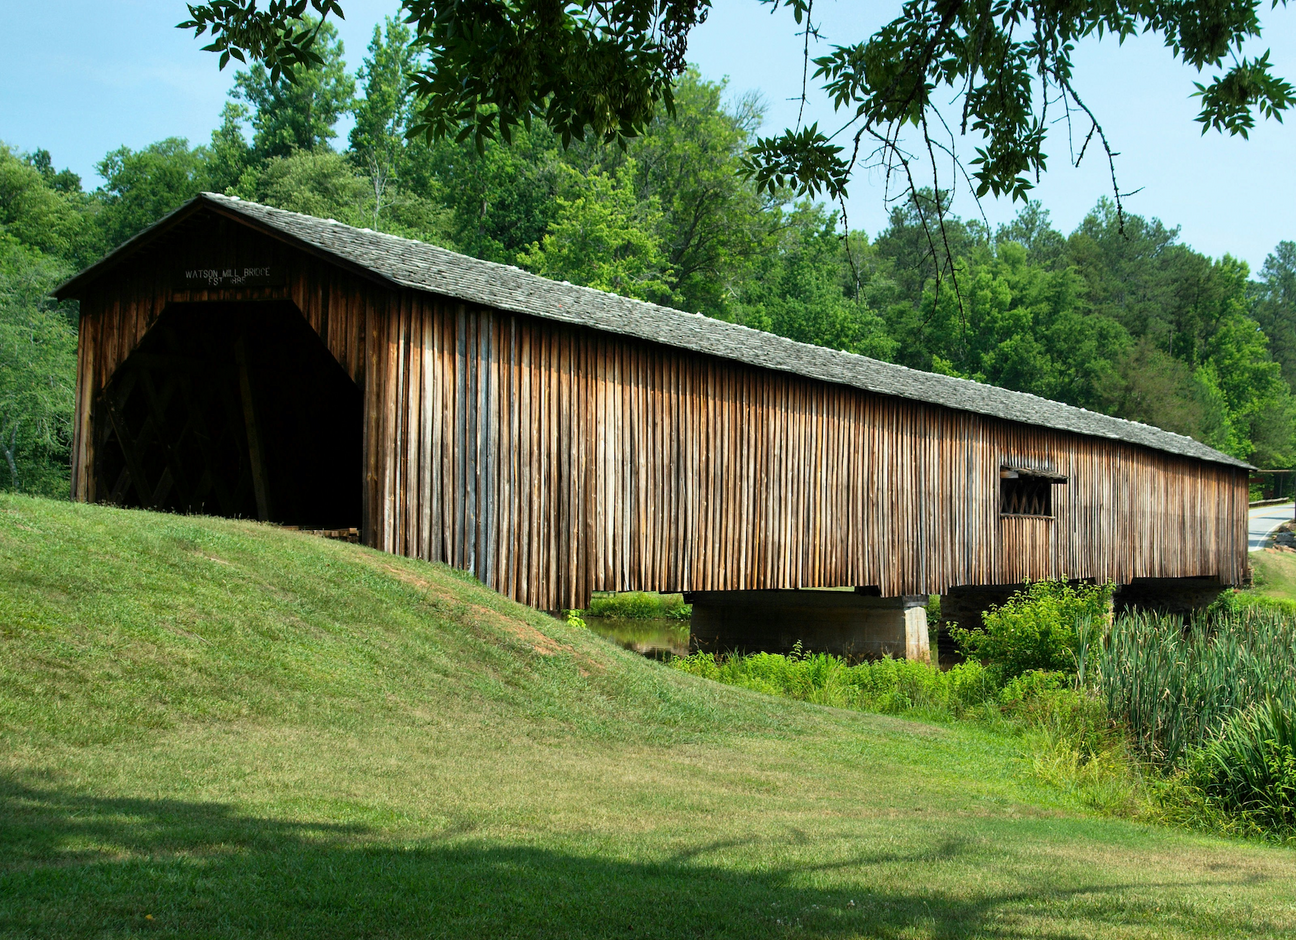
x,y
200,278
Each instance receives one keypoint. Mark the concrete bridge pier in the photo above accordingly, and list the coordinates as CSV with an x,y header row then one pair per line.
x,y
847,622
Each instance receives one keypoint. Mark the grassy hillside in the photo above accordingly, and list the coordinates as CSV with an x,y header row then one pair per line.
x,y
213,728
1274,573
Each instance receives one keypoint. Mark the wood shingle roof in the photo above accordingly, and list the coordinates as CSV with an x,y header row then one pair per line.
x,y
419,266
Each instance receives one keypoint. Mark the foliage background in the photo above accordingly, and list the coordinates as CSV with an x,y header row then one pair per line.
x,y
1133,323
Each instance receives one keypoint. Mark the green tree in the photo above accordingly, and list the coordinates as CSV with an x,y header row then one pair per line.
x,y
1144,279
1033,230
911,249
37,372
606,238
328,185
603,67
714,224
314,182
141,186
1041,340
299,114
1274,307
500,202
1219,428
803,291
382,116
1153,387
1127,269
33,211
1260,425
63,181
1009,318
228,155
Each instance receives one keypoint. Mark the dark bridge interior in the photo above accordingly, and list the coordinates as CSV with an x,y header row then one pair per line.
x,y
233,409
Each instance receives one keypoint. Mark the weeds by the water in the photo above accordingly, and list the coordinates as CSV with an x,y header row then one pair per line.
x,y
640,605
890,686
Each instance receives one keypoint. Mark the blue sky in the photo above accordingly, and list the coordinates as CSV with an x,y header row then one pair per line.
x,y
82,77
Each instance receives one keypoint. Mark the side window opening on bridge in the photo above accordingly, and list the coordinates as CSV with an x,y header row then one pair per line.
x,y
1027,492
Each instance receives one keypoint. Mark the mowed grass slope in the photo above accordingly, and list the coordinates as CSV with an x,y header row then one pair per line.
x,y
215,728
1275,574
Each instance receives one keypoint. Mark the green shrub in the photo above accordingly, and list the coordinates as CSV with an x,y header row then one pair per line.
x,y
1037,628
1249,770
887,685
674,608
1032,685
640,605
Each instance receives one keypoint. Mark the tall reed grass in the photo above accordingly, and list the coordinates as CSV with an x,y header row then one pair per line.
x,y
1175,684
1210,701
1250,768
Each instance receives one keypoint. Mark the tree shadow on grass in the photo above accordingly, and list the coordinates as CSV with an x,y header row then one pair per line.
x,y
40,826
77,865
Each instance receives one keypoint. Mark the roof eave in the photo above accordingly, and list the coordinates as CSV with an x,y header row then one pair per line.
x,y
72,287
224,208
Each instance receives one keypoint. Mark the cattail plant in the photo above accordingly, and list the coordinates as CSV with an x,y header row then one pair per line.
x,y
1175,684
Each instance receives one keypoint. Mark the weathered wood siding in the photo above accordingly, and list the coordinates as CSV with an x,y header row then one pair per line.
x,y
553,460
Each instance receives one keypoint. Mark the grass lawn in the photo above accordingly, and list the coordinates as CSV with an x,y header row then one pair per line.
x,y
1275,574
215,728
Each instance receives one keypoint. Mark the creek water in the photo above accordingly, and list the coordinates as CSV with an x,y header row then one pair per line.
x,y
659,639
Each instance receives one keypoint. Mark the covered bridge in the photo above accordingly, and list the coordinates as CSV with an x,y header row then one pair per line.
x,y
554,440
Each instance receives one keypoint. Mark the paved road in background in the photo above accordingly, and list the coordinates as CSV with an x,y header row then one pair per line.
x,y
1264,520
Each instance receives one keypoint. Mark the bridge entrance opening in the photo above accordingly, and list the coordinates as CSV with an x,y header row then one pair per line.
x,y
233,409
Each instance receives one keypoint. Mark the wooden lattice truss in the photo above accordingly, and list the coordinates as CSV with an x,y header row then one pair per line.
x,y
1027,492
177,430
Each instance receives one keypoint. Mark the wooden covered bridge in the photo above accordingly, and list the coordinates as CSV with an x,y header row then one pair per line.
x,y
240,360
